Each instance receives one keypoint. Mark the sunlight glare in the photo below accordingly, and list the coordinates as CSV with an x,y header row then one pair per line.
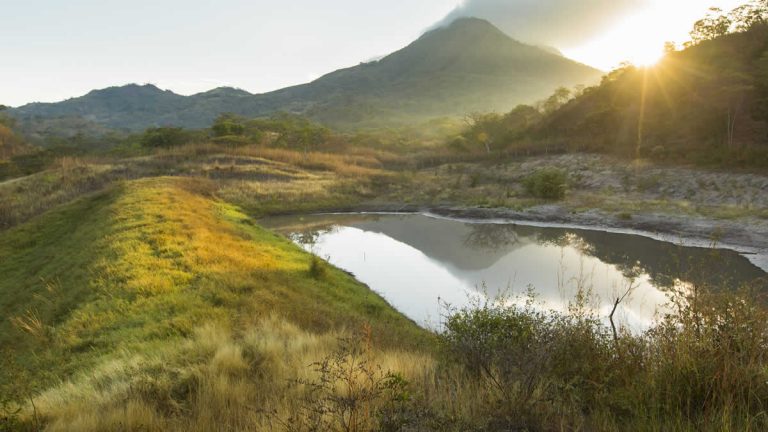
x,y
647,57
639,38
628,41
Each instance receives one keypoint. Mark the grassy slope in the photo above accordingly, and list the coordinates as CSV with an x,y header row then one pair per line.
x,y
151,262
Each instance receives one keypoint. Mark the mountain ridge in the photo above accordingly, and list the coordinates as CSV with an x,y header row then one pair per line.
x,y
469,65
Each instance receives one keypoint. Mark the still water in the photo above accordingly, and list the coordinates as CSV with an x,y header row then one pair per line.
x,y
419,263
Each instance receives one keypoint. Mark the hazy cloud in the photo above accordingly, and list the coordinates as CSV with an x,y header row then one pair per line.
x,y
559,23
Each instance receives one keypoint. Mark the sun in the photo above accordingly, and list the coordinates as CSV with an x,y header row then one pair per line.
x,y
634,40
645,57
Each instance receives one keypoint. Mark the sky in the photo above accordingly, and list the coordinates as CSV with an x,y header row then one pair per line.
x,y
51,50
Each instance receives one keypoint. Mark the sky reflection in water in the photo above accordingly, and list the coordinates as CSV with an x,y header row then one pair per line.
x,y
414,260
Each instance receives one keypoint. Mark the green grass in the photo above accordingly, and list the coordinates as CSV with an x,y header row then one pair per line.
x,y
151,261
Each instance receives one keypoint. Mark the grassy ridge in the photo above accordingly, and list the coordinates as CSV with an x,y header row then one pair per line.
x,y
151,303
146,264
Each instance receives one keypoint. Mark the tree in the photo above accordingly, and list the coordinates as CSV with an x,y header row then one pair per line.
x,y
733,90
164,137
560,97
578,90
484,129
749,15
292,131
5,119
714,25
228,125
520,119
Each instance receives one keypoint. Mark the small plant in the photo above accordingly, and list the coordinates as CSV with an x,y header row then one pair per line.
x,y
625,216
318,268
549,183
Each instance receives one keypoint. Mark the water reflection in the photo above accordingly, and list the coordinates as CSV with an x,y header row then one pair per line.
x,y
413,260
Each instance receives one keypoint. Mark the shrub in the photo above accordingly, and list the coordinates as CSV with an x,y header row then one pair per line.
x,y
318,268
526,357
164,137
549,183
703,364
228,125
231,140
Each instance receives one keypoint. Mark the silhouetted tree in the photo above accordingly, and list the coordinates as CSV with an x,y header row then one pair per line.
x,y
749,15
714,25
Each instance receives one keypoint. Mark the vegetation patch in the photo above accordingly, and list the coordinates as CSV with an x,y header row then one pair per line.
x,y
550,183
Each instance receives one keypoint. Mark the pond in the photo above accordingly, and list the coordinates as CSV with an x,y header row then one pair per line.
x,y
421,263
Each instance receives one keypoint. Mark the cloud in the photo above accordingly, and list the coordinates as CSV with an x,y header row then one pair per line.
x,y
560,23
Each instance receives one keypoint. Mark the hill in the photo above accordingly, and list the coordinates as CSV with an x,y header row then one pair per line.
x,y
705,104
467,66
709,101
133,292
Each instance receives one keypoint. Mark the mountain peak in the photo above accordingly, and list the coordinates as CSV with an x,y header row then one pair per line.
x,y
472,22
469,28
131,89
224,92
468,65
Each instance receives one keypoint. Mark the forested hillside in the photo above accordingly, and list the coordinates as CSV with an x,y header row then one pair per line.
x,y
707,103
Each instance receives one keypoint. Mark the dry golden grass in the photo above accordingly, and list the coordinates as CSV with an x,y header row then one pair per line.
x,y
232,381
348,165
261,179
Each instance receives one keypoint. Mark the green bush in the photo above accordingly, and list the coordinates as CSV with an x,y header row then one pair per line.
x,y
549,183
526,356
703,364
164,137
228,125
318,268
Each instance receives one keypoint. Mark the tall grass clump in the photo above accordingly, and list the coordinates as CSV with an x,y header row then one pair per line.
x,y
351,391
